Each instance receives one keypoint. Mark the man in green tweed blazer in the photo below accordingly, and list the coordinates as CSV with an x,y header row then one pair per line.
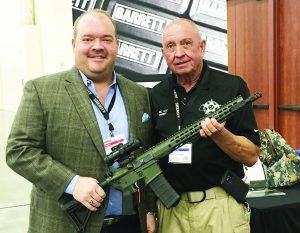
x,y
56,135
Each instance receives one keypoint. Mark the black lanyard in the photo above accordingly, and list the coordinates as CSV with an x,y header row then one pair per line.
x,y
177,110
102,108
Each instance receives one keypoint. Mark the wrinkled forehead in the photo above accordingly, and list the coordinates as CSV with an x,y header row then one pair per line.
x,y
179,30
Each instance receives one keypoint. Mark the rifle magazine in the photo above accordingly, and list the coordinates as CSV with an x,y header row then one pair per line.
x,y
164,191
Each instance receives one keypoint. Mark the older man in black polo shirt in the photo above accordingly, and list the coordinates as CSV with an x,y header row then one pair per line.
x,y
196,169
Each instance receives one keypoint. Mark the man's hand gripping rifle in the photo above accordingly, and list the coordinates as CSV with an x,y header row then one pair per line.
x,y
136,165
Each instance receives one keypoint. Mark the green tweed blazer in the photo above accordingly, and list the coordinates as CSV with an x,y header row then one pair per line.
x,y
55,136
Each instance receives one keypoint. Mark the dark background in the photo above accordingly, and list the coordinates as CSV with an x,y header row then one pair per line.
x,y
140,24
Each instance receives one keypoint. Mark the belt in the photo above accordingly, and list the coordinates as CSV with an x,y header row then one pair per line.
x,y
109,220
199,196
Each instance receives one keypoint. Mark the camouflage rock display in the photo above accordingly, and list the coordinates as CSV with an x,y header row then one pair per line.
x,y
281,160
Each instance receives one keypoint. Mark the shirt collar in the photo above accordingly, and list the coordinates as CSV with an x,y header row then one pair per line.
x,y
87,82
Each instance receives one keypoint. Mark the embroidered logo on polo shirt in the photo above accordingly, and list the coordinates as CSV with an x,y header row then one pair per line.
x,y
209,106
162,112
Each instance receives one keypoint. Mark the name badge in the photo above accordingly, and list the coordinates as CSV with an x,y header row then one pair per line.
x,y
182,155
114,141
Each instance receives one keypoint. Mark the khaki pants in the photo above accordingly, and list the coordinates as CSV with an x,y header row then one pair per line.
x,y
218,213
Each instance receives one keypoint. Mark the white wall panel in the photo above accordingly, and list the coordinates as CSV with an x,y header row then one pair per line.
x,y
35,40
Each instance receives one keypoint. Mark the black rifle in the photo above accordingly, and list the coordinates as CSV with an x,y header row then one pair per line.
x,y
136,166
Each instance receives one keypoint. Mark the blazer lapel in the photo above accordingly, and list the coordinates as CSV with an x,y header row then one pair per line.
x,y
78,94
130,105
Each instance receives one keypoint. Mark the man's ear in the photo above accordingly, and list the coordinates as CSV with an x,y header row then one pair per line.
x,y
202,46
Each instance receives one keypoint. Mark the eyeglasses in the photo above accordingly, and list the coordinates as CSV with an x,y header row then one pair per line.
x,y
185,44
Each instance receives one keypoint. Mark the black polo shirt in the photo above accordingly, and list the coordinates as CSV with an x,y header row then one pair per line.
x,y
209,162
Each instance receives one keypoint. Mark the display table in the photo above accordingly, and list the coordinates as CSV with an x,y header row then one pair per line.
x,y
278,214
